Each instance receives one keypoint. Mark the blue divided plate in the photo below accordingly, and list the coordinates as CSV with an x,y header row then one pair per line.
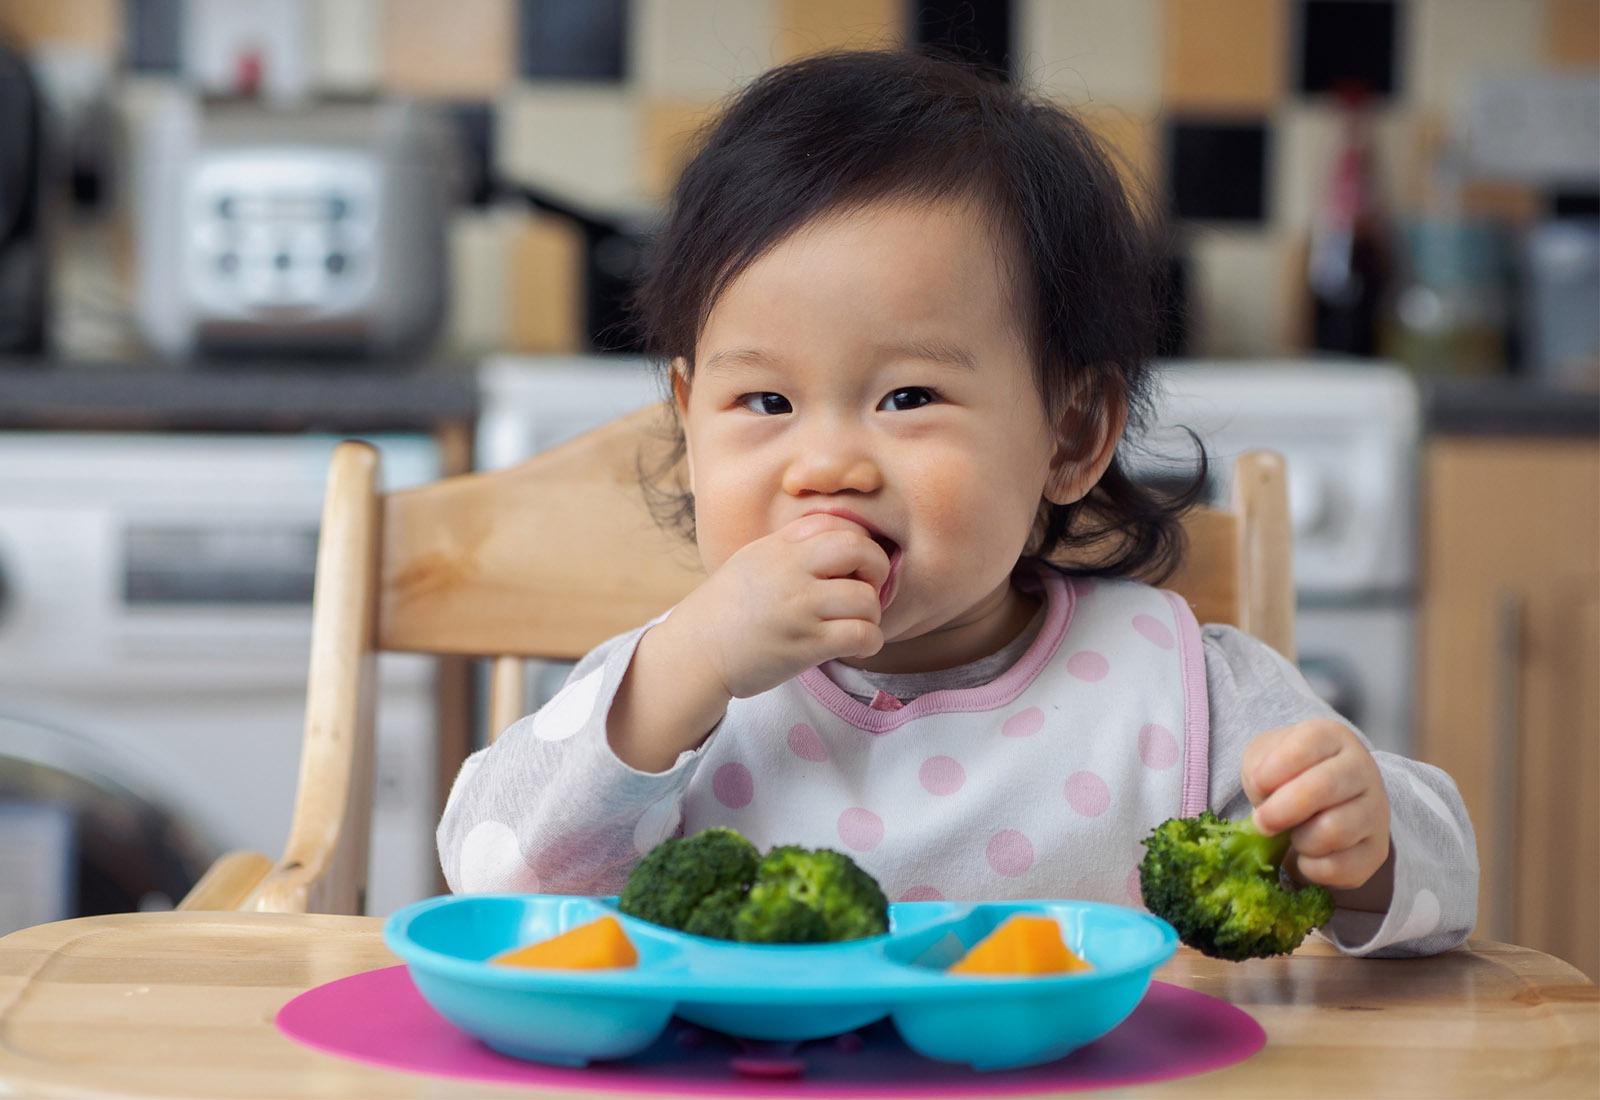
x,y
792,992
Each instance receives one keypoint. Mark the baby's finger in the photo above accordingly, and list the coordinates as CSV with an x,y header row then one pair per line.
x,y
846,552
1325,784
1345,869
1277,756
1338,828
845,598
840,638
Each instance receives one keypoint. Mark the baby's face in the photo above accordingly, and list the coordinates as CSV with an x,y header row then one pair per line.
x,y
871,365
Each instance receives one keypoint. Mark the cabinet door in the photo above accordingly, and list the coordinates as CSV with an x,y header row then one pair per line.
x,y
1510,699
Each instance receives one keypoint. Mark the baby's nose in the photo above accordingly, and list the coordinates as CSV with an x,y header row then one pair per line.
x,y
832,460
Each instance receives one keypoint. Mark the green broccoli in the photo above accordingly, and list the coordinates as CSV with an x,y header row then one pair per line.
x,y
714,915
716,884
847,902
679,873
1217,883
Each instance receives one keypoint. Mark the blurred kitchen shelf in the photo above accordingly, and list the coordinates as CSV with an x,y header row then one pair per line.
x,y
254,395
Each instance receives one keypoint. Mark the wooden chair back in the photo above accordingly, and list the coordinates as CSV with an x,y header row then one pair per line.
x,y
546,559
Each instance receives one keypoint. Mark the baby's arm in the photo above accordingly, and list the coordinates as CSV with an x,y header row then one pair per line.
x,y
548,807
805,594
1430,875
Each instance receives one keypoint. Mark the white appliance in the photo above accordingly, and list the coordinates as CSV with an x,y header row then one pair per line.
x,y
155,618
1348,431
313,229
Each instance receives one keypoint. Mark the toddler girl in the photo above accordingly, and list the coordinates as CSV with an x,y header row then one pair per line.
x,y
905,314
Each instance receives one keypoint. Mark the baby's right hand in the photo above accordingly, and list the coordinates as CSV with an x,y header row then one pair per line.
x,y
805,594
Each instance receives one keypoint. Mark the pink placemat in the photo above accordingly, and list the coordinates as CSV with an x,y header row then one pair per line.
x,y
380,1018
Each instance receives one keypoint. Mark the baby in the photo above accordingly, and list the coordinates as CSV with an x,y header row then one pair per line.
x,y
905,313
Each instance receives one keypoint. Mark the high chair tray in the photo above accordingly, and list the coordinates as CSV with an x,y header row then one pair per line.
x,y
776,992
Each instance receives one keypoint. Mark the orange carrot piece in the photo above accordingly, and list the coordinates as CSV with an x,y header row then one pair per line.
x,y
598,945
1023,944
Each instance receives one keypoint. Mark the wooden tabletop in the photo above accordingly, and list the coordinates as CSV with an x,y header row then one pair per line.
x,y
182,1005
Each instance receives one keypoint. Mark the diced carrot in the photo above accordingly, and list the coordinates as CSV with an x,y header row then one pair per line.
x,y
1023,944
598,945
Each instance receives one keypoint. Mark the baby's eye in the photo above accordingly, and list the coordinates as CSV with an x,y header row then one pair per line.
x,y
767,404
910,397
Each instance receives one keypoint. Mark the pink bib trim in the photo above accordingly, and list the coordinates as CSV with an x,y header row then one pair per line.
x,y
1196,709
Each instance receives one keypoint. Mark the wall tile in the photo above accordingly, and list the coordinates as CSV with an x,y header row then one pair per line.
x,y
1091,51
461,48
582,142
96,24
701,49
1450,41
545,304
812,26
480,278
1572,32
1217,169
347,45
1224,54
573,40
1339,41
976,34
1133,139
668,138
1240,290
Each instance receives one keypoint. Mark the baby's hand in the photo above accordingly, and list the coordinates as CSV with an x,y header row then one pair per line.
x,y
1316,779
805,594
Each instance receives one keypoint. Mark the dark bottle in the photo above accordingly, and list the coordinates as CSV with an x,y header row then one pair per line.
x,y
1350,267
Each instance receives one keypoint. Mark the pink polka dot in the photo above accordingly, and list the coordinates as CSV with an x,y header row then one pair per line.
x,y
1154,630
1010,853
1135,894
861,830
1024,723
922,893
805,743
1158,748
1088,665
733,786
941,775
1088,794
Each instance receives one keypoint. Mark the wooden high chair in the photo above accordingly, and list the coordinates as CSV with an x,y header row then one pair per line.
x,y
545,560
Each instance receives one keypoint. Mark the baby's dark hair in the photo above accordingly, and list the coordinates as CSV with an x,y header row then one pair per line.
x,y
835,132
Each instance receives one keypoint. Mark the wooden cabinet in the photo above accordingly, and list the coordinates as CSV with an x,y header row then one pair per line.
x,y
1510,664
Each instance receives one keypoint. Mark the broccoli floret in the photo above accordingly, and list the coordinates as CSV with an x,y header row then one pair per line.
x,y
680,872
772,914
716,884
714,915
847,899
1217,883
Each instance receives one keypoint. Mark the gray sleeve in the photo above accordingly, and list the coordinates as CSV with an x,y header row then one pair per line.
x,y
548,807
1253,689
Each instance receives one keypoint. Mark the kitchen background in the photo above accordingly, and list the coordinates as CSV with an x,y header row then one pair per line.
x,y
232,231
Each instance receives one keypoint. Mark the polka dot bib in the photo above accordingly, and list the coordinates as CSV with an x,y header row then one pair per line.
x,y
1040,783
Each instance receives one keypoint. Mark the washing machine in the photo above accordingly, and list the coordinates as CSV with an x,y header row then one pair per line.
x,y
155,619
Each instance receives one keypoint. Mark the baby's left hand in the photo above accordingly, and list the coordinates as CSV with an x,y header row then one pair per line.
x,y
1317,780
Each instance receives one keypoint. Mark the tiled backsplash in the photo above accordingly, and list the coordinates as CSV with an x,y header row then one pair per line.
x,y
1218,108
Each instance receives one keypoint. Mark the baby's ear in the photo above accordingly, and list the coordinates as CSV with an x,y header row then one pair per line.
x,y
1086,438
680,398
680,384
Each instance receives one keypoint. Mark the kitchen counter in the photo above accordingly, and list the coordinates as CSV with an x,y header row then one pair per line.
x,y
254,395
1504,406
